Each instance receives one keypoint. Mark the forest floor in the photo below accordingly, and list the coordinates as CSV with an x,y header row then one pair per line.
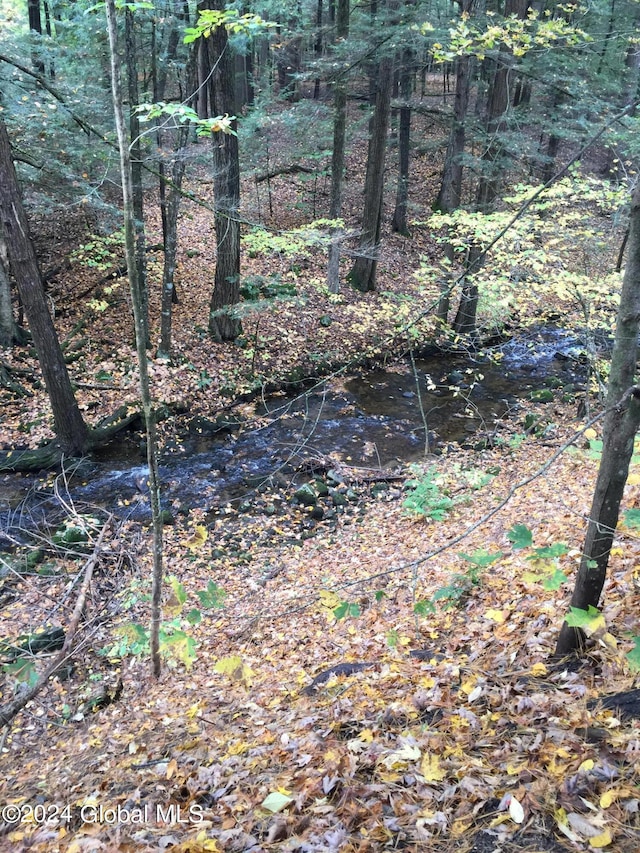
x,y
385,684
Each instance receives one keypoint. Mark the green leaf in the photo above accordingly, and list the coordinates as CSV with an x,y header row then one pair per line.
x,y
632,518
424,608
22,670
558,549
578,618
482,558
555,580
194,616
180,646
633,657
346,609
520,536
212,596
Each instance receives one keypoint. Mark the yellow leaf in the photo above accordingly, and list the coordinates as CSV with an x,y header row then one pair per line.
x,y
195,709
608,798
495,616
469,684
618,551
237,748
633,479
590,433
329,600
366,735
601,840
197,538
538,670
172,766
235,668
430,768
587,765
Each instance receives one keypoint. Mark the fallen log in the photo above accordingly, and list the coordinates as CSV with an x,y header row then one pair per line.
x,y
293,169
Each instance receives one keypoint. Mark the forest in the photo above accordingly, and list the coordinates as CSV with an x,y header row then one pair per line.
x,y
319,478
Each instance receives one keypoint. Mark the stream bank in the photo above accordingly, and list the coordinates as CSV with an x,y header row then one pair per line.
x,y
319,452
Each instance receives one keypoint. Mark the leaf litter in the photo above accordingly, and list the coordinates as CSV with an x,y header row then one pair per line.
x,y
440,721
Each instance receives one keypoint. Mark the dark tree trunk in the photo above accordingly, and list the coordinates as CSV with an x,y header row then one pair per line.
x,y
337,158
493,159
70,428
465,319
170,244
451,186
363,273
619,431
35,25
223,325
399,221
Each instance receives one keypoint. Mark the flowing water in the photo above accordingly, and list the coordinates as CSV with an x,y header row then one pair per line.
x,y
376,419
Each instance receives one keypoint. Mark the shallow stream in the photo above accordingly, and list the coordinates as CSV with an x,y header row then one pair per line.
x,y
376,419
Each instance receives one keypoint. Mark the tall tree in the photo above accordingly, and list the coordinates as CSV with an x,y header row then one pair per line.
x,y
71,431
337,155
619,431
136,162
140,331
399,220
223,325
363,272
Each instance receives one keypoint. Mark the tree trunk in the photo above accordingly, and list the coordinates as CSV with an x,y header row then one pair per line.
x,y
337,157
170,244
223,325
399,221
619,430
363,273
70,428
141,343
35,25
466,315
8,327
493,159
317,47
451,185
136,166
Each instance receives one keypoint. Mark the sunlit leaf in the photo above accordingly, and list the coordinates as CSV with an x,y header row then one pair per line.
x,y
276,802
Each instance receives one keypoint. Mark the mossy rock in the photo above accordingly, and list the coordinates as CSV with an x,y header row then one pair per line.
x,y
542,395
306,495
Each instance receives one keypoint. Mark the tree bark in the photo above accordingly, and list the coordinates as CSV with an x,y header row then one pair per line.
x,y
8,327
223,325
399,220
450,193
498,105
620,426
337,157
136,166
35,25
70,428
363,273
